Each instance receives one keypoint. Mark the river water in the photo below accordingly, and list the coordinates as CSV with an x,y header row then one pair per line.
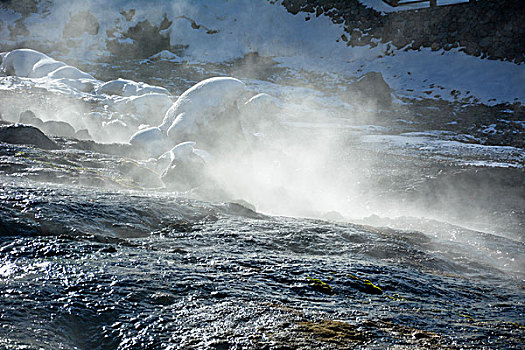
x,y
93,258
86,268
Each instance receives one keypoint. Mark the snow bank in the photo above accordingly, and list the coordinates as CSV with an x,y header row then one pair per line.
x,y
220,31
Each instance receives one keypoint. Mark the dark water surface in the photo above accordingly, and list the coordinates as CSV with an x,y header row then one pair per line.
x,y
82,268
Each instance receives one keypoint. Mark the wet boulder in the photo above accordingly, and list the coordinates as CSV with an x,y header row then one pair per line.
x,y
152,141
28,117
26,135
58,128
259,112
83,134
373,87
187,168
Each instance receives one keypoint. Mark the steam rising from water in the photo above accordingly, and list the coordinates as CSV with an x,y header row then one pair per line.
x,y
297,159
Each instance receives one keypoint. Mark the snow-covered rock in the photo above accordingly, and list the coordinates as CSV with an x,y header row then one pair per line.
x,y
20,62
151,140
83,134
83,85
45,66
166,55
182,128
123,87
126,104
27,63
204,101
151,107
69,73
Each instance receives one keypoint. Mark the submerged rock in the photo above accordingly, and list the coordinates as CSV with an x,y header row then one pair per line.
x,y
26,135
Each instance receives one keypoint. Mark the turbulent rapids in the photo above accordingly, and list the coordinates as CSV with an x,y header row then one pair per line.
x,y
248,199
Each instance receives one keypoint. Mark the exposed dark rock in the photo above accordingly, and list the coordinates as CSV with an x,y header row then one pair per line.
x,y
26,135
81,23
147,40
18,30
128,14
183,176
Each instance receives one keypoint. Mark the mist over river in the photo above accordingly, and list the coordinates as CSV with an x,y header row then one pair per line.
x,y
179,175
